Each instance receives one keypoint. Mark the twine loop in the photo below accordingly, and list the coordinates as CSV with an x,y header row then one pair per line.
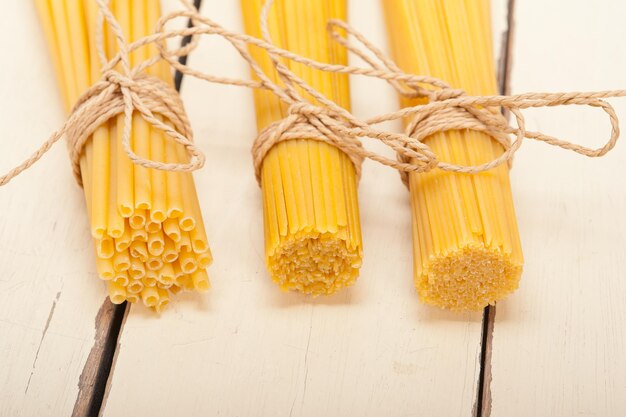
x,y
482,114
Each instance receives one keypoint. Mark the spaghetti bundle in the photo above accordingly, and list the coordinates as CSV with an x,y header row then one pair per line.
x,y
311,215
467,251
146,223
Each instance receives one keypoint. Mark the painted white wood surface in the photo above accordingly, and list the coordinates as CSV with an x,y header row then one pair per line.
x,y
559,344
49,291
247,349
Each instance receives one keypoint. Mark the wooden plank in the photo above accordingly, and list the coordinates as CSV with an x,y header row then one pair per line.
x,y
558,343
57,330
248,349
49,292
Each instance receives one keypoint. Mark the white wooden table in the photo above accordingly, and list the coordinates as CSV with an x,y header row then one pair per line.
x,y
556,347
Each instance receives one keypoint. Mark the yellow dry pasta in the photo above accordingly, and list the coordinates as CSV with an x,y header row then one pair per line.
x,y
467,251
310,208
134,211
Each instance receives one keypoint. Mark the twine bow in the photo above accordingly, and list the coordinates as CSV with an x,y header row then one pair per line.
x,y
453,109
121,92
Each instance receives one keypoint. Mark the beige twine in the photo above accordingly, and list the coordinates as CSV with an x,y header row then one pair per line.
x,y
323,119
121,93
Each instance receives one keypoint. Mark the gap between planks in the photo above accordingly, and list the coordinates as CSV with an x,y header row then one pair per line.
x,y
483,398
93,384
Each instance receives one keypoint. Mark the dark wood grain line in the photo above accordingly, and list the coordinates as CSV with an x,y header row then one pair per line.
x,y
95,380
483,400
506,54
178,76
106,385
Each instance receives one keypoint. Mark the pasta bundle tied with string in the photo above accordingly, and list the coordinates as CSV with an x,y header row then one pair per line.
x,y
467,250
145,219
311,214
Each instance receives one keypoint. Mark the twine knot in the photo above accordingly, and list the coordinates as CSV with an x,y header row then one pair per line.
x,y
305,120
454,110
125,92
114,77
118,94
444,94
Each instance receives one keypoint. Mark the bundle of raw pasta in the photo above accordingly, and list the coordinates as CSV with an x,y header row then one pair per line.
x,y
467,251
146,223
311,215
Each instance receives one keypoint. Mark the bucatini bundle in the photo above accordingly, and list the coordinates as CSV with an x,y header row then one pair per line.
x,y
146,223
467,251
311,214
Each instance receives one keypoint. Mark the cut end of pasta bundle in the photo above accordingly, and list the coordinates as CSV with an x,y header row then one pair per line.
x,y
468,278
312,233
317,264
150,272
467,251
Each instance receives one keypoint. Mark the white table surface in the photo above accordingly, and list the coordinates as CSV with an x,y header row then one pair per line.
x,y
556,347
